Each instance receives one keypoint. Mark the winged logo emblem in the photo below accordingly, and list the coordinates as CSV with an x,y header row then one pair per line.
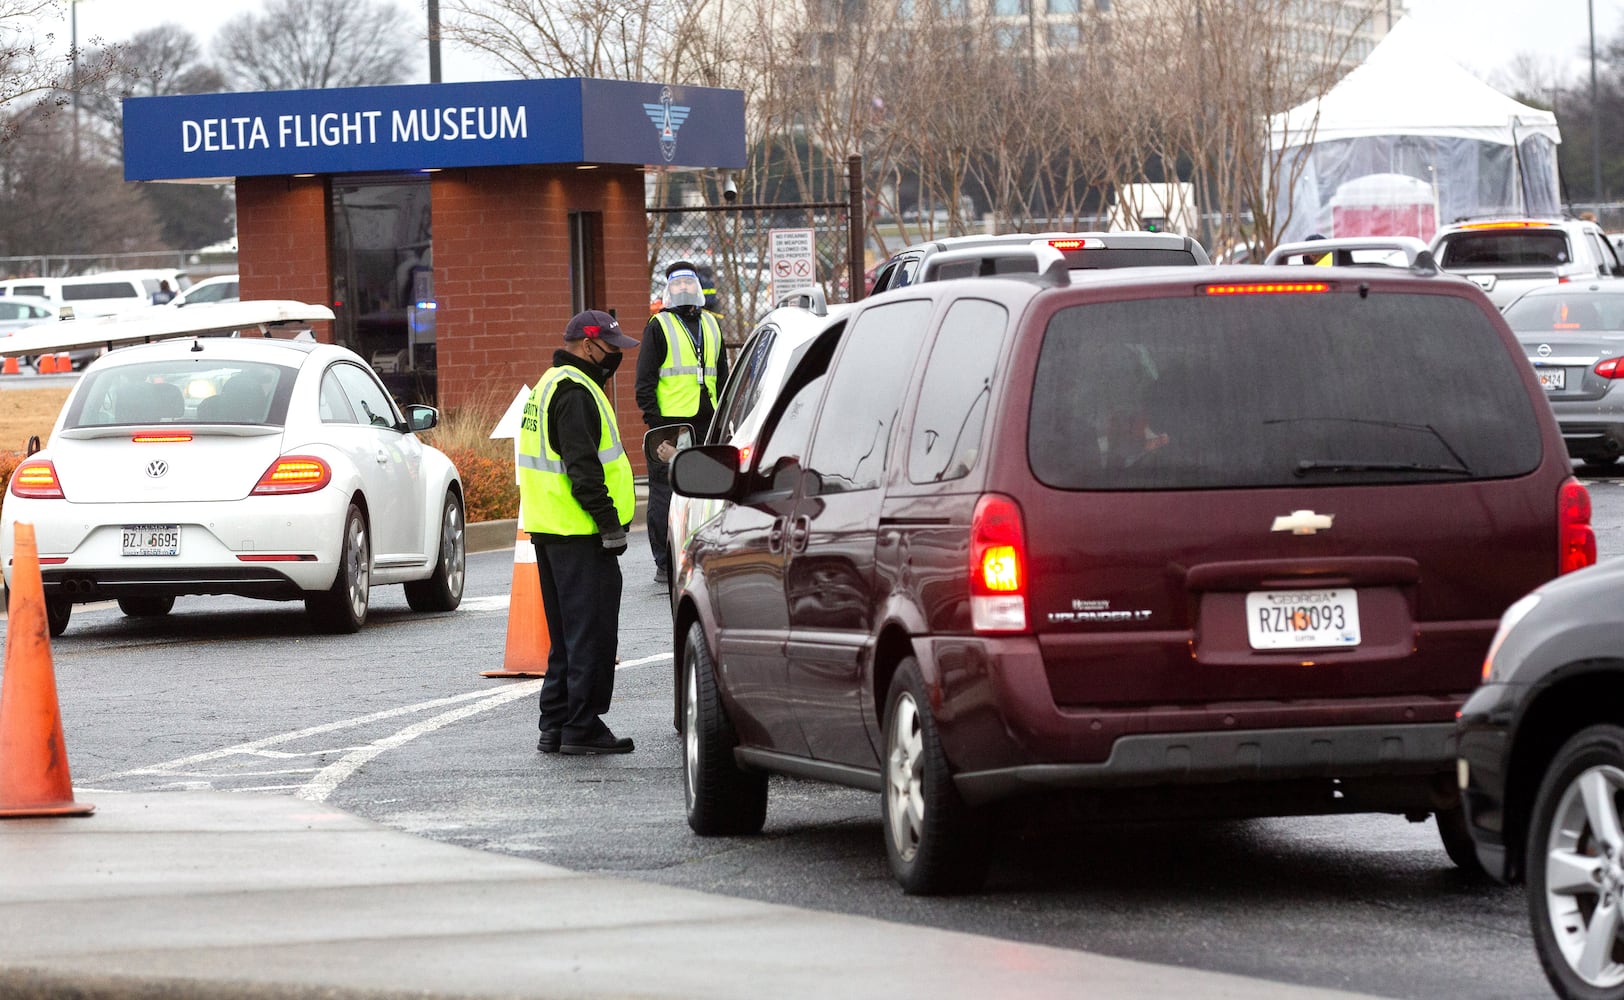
x,y
667,118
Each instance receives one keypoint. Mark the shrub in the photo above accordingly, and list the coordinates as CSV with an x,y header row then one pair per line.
x,y
8,465
486,464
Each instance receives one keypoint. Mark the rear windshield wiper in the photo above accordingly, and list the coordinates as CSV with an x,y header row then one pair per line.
x,y
1310,465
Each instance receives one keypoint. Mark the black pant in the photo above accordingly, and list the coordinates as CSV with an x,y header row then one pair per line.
x,y
659,510
580,593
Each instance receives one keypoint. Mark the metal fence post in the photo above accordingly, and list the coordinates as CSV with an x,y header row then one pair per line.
x,y
856,230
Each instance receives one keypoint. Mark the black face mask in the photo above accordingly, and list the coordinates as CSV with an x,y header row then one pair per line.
x,y
610,362
689,313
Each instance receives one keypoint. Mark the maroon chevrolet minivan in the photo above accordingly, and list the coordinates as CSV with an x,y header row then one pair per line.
x,y
1194,541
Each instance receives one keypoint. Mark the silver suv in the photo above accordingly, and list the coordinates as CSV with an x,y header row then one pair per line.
x,y
1507,257
1083,251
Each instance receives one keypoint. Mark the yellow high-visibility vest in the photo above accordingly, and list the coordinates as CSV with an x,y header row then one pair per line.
x,y
546,503
682,373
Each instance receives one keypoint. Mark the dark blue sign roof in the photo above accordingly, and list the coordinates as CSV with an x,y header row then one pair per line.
x,y
416,127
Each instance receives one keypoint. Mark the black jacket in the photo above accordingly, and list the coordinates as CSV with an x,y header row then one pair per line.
x,y
650,356
573,428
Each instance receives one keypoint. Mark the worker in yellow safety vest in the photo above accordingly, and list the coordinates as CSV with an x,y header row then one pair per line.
x,y
678,378
576,502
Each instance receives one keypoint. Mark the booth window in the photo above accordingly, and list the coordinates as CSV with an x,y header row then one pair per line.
x,y
383,275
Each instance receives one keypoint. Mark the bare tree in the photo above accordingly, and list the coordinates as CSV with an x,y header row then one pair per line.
x,y
35,78
166,59
607,39
51,203
313,44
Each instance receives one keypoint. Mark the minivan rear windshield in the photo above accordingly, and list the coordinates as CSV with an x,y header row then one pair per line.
x,y
1277,390
1506,248
99,290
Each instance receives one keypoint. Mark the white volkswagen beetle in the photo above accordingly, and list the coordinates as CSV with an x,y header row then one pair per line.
x,y
276,469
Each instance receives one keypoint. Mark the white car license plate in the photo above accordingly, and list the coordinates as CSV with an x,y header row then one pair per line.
x,y
1300,619
152,539
1552,378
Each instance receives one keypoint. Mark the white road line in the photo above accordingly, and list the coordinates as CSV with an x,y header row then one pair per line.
x,y
328,778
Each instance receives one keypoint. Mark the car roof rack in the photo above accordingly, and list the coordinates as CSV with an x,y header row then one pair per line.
x,y
810,298
1048,265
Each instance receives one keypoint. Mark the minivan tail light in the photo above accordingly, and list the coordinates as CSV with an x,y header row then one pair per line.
x,y
294,474
1576,539
998,565
1610,368
36,481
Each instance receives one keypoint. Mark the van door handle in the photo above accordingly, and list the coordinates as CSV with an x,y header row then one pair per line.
x,y
775,536
799,532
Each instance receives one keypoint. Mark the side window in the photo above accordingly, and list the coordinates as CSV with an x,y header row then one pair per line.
x,y
370,403
782,453
904,274
744,387
334,407
12,310
945,439
882,281
1606,259
865,390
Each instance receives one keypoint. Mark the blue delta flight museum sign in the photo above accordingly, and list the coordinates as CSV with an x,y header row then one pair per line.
x,y
437,125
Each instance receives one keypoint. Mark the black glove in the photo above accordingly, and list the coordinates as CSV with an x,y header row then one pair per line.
x,y
614,542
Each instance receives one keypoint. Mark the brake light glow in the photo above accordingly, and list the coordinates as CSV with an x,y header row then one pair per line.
x,y
997,566
160,437
36,481
1507,225
1576,539
1268,288
1075,244
294,474
1610,368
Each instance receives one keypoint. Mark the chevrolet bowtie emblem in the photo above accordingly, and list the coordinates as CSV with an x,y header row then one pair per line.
x,y
1302,522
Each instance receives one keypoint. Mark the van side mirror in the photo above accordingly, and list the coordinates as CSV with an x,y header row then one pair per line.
x,y
710,472
657,440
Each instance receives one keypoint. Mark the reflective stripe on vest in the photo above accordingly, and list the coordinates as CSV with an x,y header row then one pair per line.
x,y
677,394
547,505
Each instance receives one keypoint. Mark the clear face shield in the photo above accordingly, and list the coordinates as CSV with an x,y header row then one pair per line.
x,y
682,288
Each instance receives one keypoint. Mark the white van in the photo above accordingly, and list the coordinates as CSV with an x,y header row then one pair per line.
x,y
101,294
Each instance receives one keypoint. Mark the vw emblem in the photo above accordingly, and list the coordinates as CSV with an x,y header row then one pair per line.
x,y
157,468
1544,350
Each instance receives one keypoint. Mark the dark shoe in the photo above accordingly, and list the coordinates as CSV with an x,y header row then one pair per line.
x,y
550,740
661,575
607,743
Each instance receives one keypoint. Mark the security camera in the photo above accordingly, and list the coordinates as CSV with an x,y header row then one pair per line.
x,y
730,190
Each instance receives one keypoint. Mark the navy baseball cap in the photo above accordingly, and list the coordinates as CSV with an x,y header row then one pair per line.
x,y
596,324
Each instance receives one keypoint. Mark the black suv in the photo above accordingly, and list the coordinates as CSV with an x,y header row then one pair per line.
x,y
1172,540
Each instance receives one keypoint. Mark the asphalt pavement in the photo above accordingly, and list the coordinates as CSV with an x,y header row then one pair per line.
x,y
182,895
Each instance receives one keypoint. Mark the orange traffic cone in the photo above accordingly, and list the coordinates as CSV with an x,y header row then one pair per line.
x,y
45,364
10,367
34,777
527,642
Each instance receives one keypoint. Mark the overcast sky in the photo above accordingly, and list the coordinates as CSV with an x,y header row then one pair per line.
x,y
1482,35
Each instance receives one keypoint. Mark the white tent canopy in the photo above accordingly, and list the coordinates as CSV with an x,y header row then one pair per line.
x,y
1409,110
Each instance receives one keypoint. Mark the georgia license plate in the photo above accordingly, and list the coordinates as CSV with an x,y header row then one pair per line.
x,y
1552,378
1299,619
152,539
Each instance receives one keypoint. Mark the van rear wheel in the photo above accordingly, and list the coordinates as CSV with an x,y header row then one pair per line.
x,y
936,843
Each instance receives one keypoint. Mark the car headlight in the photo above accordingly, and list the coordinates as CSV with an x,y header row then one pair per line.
x,y
1508,621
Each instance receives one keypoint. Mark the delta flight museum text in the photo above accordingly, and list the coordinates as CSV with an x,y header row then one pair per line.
x,y
352,128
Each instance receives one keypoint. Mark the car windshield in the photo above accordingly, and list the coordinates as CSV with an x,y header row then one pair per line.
x,y
183,391
1276,390
1506,248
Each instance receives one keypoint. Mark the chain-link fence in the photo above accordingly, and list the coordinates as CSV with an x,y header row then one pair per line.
x,y
732,246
